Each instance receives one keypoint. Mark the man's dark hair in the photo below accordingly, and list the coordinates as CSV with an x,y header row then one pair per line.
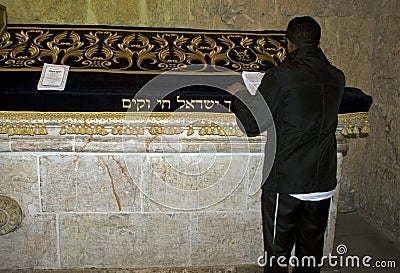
x,y
304,31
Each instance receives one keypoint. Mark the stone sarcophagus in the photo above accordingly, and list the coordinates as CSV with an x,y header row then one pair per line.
x,y
139,162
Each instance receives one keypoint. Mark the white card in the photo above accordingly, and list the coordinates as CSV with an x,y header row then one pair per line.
x,y
252,80
53,77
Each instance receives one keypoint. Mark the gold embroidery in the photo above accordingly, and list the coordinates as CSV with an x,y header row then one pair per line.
x,y
138,51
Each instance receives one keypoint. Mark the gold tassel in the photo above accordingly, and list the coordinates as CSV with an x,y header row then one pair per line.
x,y
153,130
221,131
37,130
43,130
103,130
75,129
70,129
160,129
140,130
345,131
4,127
365,130
31,132
82,129
356,130
215,129
114,130
190,130
121,129
96,129
134,130
209,129
168,130
63,130
17,130
128,129
202,130
10,130
88,129
24,129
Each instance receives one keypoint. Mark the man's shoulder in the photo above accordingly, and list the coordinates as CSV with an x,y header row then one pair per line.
x,y
281,68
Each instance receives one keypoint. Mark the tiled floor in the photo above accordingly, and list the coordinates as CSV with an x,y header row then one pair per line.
x,y
363,239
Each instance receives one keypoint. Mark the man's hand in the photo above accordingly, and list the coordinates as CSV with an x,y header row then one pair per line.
x,y
236,87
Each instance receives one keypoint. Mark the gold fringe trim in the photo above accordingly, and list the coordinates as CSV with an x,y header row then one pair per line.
x,y
118,123
136,123
354,124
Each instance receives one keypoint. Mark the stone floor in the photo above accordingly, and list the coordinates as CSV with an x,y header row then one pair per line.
x,y
359,237
363,239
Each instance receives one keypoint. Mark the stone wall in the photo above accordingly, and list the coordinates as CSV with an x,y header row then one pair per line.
x,y
360,37
130,201
380,182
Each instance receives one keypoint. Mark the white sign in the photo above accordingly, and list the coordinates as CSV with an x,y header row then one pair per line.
x,y
252,80
53,77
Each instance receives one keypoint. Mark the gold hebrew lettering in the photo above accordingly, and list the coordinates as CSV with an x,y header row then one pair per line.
x,y
126,103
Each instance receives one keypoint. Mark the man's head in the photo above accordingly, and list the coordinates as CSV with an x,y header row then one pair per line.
x,y
303,31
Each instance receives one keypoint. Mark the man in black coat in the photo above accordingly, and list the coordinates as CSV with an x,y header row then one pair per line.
x,y
303,95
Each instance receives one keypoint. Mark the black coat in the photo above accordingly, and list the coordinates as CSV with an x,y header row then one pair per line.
x,y
303,95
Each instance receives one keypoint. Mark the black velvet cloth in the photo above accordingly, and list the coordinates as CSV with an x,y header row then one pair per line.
x,y
109,64
103,92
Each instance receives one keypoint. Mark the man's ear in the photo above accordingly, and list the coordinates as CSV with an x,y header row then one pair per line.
x,y
290,45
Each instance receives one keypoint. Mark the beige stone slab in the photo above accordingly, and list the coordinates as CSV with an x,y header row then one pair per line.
x,y
98,144
391,8
340,8
192,144
19,181
379,199
384,142
133,13
31,12
254,182
33,245
344,45
124,240
226,238
88,183
167,144
4,144
195,181
39,144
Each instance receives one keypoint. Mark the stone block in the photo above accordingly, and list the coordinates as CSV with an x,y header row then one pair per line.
x,y
323,8
168,13
98,144
385,77
195,181
88,183
19,181
351,175
40,144
116,12
385,125
34,12
391,8
345,46
254,182
33,245
226,238
298,8
379,198
127,240
4,144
